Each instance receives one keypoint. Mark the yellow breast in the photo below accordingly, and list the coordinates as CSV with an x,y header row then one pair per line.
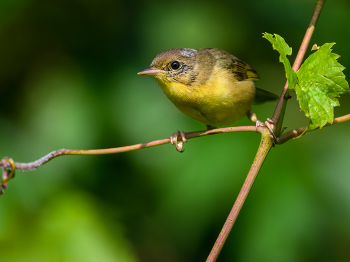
x,y
220,101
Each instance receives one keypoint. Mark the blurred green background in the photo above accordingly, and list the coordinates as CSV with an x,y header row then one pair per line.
x,y
68,80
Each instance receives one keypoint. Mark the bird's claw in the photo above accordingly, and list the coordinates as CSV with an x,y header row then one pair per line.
x,y
258,124
267,124
178,144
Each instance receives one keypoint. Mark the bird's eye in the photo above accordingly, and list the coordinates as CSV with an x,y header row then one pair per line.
x,y
175,65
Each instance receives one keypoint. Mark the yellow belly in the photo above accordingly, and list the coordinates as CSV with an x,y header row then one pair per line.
x,y
221,101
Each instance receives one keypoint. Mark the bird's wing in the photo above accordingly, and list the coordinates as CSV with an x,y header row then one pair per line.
x,y
241,70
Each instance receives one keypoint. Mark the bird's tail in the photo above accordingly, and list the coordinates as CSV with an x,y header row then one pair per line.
x,y
262,96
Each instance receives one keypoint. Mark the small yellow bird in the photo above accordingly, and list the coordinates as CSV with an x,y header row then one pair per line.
x,y
209,85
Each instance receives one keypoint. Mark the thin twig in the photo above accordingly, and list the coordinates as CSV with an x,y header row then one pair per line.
x,y
297,132
34,165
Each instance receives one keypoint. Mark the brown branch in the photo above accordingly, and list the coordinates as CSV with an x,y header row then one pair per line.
x,y
265,143
34,165
265,146
297,132
8,163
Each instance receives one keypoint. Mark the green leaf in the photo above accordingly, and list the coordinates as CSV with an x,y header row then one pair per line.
x,y
279,44
320,83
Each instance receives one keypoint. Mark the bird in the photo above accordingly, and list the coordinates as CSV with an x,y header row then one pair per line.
x,y
208,85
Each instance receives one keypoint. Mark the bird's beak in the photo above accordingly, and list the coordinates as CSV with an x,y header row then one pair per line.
x,y
149,71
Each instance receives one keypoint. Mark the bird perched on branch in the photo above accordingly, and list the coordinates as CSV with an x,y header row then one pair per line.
x,y
209,85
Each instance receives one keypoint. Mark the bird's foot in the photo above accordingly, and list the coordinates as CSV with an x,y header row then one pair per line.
x,y
269,123
178,144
